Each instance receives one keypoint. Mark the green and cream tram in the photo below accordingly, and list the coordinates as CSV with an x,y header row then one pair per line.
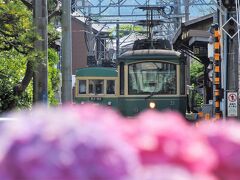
x,y
144,78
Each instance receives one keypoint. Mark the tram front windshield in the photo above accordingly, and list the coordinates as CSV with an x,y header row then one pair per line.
x,y
152,77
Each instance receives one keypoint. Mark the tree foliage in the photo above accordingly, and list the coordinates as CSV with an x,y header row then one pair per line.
x,y
16,30
12,69
125,29
196,70
18,57
53,76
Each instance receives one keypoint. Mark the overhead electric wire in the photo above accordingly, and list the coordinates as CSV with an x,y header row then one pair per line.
x,y
108,6
102,7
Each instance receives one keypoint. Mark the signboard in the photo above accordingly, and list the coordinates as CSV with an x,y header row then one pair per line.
x,y
232,107
231,27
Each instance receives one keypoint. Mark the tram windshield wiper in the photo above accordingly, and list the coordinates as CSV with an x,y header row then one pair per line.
x,y
149,96
153,92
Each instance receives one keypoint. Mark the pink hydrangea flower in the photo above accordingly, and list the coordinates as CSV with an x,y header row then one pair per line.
x,y
171,172
166,138
65,144
224,138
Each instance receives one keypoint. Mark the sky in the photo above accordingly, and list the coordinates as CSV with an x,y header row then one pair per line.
x,y
129,8
195,11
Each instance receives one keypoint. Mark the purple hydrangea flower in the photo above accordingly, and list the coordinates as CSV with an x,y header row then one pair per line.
x,y
65,143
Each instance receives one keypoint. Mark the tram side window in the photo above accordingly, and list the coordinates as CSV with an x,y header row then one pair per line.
x,y
110,87
96,86
99,86
82,86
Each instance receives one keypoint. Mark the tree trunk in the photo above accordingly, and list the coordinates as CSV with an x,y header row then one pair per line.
x,y
21,87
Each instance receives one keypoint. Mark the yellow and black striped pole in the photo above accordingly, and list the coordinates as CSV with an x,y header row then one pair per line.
x,y
217,72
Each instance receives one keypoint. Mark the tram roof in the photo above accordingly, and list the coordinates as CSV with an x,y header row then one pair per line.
x,y
151,54
97,72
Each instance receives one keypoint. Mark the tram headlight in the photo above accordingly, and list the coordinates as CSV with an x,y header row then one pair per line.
x,y
152,105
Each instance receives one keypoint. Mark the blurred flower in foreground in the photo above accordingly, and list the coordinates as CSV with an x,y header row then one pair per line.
x,y
170,172
166,139
91,142
58,144
224,138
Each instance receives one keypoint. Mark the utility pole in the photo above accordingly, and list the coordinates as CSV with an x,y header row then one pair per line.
x,y
232,67
232,55
117,33
117,40
187,71
186,9
66,52
177,10
40,77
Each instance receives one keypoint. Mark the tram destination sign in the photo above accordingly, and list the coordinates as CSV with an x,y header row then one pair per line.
x,y
95,98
